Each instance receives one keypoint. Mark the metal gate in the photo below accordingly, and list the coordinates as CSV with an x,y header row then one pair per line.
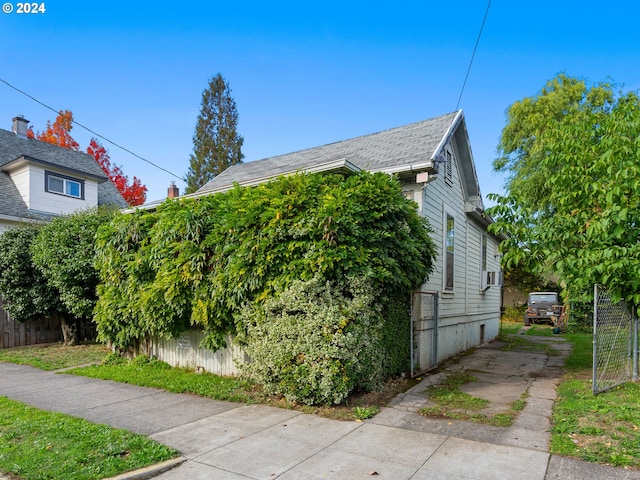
x,y
615,342
424,332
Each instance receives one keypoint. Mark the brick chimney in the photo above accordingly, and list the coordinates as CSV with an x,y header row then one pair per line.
x,y
173,191
20,126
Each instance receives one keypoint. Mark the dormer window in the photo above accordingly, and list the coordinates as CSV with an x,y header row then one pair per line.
x,y
64,185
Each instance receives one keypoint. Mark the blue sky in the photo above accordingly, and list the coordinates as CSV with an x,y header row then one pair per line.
x,y
302,74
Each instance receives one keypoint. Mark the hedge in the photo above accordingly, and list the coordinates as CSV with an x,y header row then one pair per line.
x,y
201,261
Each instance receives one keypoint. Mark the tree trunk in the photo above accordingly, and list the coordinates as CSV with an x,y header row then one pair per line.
x,y
69,331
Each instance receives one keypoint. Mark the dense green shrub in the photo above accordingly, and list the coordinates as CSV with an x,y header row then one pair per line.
x,y
395,333
25,291
200,261
581,317
64,251
514,313
47,270
316,342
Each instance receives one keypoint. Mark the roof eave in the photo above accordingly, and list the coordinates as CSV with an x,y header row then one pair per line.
x,y
25,160
450,131
480,216
340,165
427,166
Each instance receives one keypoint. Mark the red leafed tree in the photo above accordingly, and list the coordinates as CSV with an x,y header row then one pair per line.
x,y
58,134
134,194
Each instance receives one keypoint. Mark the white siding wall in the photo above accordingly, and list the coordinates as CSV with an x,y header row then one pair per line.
x,y
21,178
43,201
467,312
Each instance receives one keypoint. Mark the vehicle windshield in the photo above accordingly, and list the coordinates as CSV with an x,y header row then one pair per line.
x,y
545,297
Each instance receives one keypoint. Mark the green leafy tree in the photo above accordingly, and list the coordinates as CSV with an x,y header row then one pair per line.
x,y
573,195
25,292
64,253
216,142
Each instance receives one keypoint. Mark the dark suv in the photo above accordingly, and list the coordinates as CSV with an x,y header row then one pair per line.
x,y
542,307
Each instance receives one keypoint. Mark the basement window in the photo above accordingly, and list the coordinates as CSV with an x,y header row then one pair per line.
x,y
63,185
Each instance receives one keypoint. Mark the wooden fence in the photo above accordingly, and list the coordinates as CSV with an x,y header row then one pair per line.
x,y
33,332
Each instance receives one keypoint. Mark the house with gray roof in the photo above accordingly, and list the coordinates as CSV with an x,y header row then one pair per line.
x,y
39,181
458,307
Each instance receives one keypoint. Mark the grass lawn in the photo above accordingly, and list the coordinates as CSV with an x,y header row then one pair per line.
x,y
152,373
54,356
36,444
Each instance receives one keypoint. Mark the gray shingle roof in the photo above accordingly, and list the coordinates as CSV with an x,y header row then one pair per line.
x,y
10,200
108,194
396,149
13,147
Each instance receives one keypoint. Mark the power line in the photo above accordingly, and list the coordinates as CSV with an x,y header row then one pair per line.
x,y
93,132
473,55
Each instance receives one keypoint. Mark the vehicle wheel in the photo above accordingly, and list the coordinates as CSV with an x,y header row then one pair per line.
x,y
527,320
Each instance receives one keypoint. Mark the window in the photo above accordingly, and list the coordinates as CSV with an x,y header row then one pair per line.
x,y
484,252
63,185
487,278
449,249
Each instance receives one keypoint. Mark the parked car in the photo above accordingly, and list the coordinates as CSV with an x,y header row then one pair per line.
x,y
542,307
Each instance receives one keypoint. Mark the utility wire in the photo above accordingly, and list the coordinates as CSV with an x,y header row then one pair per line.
x,y
473,55
93,132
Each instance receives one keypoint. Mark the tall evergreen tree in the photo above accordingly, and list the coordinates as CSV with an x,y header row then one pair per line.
x,y
216,143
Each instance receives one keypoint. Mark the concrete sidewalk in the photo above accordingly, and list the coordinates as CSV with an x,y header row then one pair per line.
x,y
222,440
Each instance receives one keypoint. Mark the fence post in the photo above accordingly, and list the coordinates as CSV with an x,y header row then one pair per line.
x,y
635,344
411,311
594,383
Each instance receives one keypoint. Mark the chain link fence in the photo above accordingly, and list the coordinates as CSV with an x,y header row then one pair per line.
x,y
615,342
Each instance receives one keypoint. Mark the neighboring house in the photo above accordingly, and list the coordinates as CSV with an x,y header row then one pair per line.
x,y
459,305
39,181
